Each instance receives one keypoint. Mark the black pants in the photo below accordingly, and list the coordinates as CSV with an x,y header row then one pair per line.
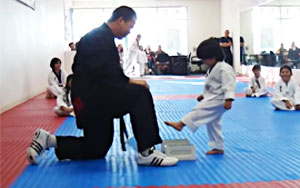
x,y
229,58
96,119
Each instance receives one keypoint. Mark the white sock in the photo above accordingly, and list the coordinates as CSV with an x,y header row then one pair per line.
x,y
147,151
51,141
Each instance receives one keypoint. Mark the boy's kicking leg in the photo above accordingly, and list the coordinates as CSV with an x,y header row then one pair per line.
x,y
201,115
176,125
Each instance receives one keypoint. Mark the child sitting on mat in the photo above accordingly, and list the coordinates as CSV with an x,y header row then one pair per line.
x,y
287,91
64,105
217,97
257,85
56,79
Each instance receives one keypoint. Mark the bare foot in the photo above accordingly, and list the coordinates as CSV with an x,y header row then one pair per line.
x,y
176,125
215,152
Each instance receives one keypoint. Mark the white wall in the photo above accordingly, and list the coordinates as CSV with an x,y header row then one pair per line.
x,y
246,29
203,15
29,39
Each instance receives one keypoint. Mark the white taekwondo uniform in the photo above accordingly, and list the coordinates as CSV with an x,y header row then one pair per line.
x,y
132,57
54,86
62,101
283,91
219,85
142,60
259,86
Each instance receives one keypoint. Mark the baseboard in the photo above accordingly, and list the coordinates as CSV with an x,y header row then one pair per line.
x,y
19,102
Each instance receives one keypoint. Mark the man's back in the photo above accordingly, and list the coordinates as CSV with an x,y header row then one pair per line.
x,y
97,61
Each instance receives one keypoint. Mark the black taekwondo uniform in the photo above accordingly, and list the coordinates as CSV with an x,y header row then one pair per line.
x,y
101,92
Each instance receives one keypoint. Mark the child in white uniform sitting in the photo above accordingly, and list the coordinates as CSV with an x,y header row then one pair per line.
x,y
287,91
64,105
257,85
217,97
56,79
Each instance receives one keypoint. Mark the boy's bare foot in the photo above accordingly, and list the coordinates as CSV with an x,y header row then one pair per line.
x,y
176,125
215,152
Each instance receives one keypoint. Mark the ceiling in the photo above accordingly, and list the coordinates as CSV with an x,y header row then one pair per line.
x,y
284,3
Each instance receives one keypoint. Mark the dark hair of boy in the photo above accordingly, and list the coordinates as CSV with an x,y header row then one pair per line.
x,y
53,62
256,67
210,48
286,67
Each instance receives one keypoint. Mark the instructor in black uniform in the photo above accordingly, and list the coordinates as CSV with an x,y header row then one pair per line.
x,y
101,92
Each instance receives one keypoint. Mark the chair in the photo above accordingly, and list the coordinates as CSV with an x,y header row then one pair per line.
x,y
162,64
180,64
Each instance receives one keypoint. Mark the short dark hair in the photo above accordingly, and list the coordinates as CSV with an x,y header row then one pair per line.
x,y
54,61
256,67
285,67
125,12
210,48
71,43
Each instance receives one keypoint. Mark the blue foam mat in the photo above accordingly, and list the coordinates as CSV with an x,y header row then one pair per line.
x,y
184,86
261,145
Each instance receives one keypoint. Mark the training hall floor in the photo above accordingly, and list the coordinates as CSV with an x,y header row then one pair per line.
x,y
262,145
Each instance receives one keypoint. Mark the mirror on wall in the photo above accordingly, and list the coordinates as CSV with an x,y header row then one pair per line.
x,y
271,34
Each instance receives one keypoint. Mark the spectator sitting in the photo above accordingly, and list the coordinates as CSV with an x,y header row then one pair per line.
x,y
282,53
294,55
162,65
151,59
121,54
159,51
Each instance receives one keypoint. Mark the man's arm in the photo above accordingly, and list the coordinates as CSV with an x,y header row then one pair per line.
x,y
226,44
139,82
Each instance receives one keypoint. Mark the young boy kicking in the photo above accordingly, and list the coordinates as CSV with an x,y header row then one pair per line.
x,y
217,97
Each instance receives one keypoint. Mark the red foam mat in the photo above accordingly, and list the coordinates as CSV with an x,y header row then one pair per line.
x,y
17,127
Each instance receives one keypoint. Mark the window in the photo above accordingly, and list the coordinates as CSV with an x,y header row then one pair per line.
x,y
275,25
158,26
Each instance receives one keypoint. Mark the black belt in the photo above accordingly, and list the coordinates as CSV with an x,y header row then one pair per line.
x,y
123,132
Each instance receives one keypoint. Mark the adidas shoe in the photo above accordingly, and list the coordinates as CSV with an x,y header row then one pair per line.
x,y
156,158
38,145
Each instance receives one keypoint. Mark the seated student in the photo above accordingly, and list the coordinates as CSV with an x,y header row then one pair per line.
x,y
64,104
56,79
287,91
257,86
